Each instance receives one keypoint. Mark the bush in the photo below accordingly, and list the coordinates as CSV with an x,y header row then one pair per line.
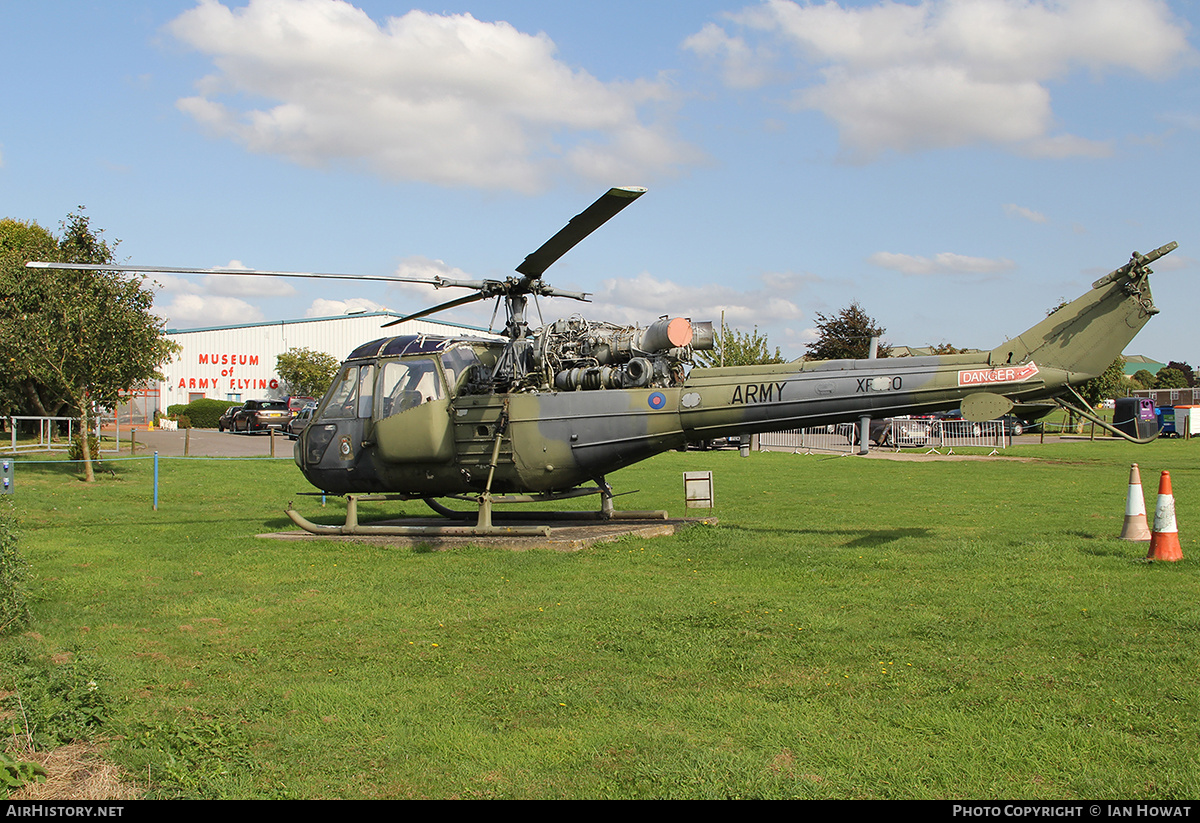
x,y
60,699
14,574
201,414
76,450
16,773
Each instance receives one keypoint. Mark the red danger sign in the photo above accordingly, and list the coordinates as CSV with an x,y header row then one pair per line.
x,y
1008,374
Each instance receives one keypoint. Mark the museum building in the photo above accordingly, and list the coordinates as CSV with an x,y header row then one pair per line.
x,y
238,362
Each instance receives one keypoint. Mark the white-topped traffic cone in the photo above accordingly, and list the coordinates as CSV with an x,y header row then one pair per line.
x,y
1164,542
1136,528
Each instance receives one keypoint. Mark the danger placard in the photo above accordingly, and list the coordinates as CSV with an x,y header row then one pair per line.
x,y
1008,374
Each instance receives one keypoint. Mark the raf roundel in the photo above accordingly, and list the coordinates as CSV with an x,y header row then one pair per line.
x,y
657,400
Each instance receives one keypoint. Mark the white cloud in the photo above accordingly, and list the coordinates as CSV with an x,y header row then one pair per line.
x,y
1182,120
444,99
228,285
780,282
172,284
419,267
248,286
942,263
743,66
943,73
416,296
198,311
332,308
1032,216
215,300
645,298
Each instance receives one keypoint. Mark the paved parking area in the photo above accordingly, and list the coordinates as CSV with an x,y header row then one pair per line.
x,y
206,443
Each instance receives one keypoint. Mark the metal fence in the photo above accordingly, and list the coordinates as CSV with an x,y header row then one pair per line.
x,y
838,439
50,433
946,435
937,436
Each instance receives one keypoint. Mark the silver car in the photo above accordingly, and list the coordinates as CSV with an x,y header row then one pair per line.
x,y
300,422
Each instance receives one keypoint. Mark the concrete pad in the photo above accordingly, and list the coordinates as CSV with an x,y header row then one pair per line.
x,y
565,535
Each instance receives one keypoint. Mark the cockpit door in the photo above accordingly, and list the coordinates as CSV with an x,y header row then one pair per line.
x,y
412,412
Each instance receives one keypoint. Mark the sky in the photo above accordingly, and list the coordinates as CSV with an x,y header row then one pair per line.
x,y
957,168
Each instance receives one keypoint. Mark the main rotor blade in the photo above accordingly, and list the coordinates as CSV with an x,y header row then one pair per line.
x,y
462,301
581,225
250,272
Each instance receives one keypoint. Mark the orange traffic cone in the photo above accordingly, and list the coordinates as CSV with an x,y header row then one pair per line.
x,y
1164,542
1135,528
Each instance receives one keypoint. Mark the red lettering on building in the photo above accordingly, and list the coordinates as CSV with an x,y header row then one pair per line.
x,y
231,359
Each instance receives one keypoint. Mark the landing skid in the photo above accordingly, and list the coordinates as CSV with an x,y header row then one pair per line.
x,y
485,517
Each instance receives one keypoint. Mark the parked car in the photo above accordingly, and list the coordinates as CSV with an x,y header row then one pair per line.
x,y
1016,426
716,443
879,432
955,425
225,421
296,403
262,415
300,422
906,431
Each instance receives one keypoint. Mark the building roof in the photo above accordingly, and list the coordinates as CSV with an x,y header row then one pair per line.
x,y
1134,363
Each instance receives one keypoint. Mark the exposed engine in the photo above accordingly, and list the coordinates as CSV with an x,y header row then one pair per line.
x,y
575,353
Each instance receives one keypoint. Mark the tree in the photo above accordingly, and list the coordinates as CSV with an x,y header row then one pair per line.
x,y
846,336
1183,368
733,348
306,373
1112,382
946,348
1144,378
87,336
1169,378
20,390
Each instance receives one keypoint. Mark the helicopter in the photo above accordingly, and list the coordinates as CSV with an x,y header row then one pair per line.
x,y
541,413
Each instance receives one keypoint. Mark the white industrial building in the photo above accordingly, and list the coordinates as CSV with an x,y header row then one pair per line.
x,y
238,362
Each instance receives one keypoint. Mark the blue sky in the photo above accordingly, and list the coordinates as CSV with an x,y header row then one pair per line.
x,y
957,168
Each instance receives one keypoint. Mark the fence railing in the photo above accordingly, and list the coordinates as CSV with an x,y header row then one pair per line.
x,y
837,439
946,435
941,436
49,432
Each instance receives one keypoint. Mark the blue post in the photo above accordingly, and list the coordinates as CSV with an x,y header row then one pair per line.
x,y
156,481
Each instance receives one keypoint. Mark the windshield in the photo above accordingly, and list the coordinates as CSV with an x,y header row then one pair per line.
x,y
406,384
350,394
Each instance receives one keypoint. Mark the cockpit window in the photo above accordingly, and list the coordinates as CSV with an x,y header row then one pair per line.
x,y
406,384
456,362
365,381
339,402
350,394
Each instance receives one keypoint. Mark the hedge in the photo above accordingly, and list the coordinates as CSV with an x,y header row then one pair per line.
x,y
202,413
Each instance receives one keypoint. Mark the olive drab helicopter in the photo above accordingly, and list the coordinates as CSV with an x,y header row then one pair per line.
x,y
548,413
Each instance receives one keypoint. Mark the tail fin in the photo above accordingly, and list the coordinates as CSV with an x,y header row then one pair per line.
x,y
1086,335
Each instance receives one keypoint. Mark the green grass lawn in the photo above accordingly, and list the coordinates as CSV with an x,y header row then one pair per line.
x,y
852,628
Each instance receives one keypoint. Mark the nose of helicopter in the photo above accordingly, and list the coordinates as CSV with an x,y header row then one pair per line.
x,y
326,446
